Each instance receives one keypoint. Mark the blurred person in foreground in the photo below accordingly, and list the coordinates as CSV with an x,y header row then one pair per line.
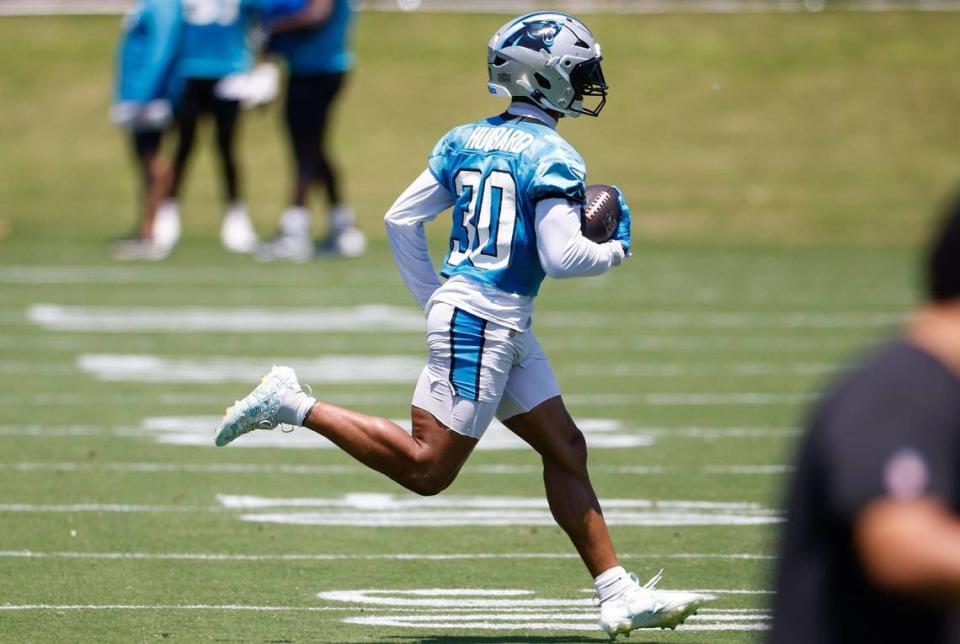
x,y
145,93
315,43
216,64
871,547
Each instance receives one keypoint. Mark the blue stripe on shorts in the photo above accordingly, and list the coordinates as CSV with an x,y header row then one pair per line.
x,y
466,353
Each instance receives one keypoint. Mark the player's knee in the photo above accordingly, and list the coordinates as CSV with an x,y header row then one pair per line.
x,y
578,446
426,479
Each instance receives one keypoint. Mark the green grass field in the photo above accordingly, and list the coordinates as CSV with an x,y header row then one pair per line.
x,y
782,169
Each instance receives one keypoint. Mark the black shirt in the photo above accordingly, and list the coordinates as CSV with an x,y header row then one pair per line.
x,y
892,428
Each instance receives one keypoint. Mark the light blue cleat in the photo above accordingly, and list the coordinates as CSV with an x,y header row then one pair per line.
x,y
273,402
647,607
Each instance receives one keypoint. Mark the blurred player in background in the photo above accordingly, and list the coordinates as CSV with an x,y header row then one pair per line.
x,y
215,55
145,94
871,547
315,42
517,190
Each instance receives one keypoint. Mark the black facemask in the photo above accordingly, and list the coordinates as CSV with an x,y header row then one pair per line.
x,y
587,80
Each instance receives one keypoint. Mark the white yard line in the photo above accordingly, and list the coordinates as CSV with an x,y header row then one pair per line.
x,y
358,368
353,470
409,556
367,318
664,399
376,318
338,369
396,510
391,510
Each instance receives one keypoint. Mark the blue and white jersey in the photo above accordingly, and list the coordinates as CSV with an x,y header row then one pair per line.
x,y
324,49
496,170
147,53
215,39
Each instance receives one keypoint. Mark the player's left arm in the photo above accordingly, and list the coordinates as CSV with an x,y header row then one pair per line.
x,y
421,202
313,13
564,251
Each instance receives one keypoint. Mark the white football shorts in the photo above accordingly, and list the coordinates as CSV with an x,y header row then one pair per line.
x,y
478,369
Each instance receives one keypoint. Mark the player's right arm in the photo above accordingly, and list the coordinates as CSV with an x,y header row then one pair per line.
x,y
563,250
421,202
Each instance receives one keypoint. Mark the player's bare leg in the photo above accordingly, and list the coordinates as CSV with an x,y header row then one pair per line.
x,y
550,430
426,461
625,605
158,178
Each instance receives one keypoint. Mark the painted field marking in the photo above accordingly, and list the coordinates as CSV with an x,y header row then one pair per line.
x,y
367,318
665,399
378,318
510,610
228,607
338,369
358,368
199,431
393,510
353,470
408,556
103,507
723,320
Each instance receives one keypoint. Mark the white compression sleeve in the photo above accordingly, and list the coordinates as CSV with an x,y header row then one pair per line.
x,y
563,250
421,202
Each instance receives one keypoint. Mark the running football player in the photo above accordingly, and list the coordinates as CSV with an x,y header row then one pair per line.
x,y
516,188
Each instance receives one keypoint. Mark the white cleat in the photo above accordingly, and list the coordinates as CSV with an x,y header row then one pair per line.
x,y
647,607
273,402
236,231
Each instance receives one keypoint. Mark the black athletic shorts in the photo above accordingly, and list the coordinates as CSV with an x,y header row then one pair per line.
x,y
199,97
309,97
146,142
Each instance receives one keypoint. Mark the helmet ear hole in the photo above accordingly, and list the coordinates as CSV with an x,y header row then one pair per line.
x,y
499,60
542,81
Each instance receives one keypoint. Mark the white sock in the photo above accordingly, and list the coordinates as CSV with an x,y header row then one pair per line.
x,y
294,408
341,218
304,408
612,583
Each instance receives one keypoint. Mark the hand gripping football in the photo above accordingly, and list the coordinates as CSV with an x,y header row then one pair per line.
x,y
601,213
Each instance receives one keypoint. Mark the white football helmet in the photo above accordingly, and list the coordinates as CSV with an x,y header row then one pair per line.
x,y
550,58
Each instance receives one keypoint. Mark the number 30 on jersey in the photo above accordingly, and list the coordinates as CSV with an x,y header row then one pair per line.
x,y
483,228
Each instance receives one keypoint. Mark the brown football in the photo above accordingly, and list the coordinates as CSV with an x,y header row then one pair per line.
x,y
601,213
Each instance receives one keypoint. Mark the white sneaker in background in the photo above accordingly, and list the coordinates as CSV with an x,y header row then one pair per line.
x,y
647,607
286,248
350,242
236,231
166,227
295,222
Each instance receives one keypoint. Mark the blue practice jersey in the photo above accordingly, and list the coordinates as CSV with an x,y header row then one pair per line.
x,y
215,39
323,49
147,53
497,170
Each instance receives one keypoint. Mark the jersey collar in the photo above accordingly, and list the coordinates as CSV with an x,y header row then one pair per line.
x,y
532,111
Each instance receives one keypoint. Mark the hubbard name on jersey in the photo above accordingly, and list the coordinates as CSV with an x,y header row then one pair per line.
x,y
496,171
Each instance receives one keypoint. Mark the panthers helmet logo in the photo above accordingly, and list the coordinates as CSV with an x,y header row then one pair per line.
x,y
535,35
